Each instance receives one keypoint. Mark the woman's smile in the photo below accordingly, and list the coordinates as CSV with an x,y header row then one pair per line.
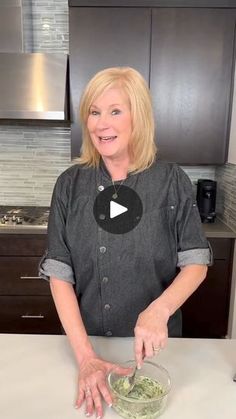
x,y
107,138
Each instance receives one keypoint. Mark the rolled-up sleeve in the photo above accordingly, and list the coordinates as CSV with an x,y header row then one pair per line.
x,y
56,261
51,267
195,256
192,245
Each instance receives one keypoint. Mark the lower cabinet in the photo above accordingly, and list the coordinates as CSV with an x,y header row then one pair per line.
x,y
206,312
28,314
26,305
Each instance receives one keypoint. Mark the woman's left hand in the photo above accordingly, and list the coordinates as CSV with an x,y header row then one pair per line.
x,y
92,384
150,332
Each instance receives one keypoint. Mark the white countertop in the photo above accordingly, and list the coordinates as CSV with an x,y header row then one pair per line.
x,y
38,376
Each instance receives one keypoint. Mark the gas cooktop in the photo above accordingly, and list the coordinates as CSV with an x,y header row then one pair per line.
x,y
23,216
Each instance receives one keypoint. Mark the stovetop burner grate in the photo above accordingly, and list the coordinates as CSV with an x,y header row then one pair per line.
x,y
23,216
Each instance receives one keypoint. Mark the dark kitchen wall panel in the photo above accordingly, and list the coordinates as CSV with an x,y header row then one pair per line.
x,y
191,82
153,3
100,38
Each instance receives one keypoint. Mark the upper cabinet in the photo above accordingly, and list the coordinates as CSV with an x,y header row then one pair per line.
x,y
104,37
186,55
232,140
191,67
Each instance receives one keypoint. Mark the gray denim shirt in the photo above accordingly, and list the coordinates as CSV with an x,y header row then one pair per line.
x,y
116,276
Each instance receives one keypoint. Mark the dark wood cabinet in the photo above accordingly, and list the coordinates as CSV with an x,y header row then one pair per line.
x,y
191,65
26,305
100,38
185,53
28,314
206,312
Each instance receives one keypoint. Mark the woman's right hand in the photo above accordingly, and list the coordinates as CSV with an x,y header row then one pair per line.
x,y
92,385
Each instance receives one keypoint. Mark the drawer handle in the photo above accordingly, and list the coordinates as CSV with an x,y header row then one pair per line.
x,y
32,316
30,277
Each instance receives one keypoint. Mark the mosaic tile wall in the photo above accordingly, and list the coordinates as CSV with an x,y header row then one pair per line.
x,y
45,25
31,158
226,193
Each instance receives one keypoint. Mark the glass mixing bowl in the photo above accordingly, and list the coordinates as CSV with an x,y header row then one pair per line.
x,y
148,399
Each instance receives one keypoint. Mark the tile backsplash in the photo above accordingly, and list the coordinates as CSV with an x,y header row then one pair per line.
x,y
226,193
45,25
32,157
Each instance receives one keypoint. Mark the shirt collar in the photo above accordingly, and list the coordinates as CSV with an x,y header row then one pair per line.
x,y
103,170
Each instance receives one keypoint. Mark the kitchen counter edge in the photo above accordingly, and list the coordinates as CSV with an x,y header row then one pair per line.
x,y
218,229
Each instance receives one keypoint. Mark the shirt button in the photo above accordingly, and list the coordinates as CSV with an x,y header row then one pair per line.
x,y
102,249
172,207
105,280
108,333
101,188
107,306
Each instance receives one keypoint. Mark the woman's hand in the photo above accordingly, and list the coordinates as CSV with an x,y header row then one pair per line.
x,y
92,385
150,331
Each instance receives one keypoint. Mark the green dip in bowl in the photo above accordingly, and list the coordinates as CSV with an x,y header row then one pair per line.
x,y
148,397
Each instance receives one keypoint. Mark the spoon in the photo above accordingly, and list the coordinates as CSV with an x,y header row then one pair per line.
x,y
130,381
129,385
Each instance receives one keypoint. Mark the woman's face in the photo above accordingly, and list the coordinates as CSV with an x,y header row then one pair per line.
x,y
109,124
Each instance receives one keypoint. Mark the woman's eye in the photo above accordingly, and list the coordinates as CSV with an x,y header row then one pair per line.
x,y
115,111
94,113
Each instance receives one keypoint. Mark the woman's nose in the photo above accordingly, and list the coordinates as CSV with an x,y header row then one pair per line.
x,y
103,121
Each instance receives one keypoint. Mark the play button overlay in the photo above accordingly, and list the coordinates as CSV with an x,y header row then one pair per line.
x,y
116,209
118,213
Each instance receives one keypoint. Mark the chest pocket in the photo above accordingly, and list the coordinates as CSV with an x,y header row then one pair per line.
x,y
157,229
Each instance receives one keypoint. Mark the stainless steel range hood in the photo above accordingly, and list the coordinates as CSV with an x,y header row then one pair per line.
x,y
33,86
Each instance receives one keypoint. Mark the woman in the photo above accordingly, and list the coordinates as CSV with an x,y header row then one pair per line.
x,y
113,283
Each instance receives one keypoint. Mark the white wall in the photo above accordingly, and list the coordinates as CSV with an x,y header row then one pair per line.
x,y
232,141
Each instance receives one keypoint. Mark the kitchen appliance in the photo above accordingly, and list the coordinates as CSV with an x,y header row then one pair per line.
x,y
34,86
23,216
206,199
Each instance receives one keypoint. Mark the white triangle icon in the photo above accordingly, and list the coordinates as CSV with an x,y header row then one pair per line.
x,y
116,209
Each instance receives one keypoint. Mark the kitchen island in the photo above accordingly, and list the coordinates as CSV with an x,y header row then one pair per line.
x,y
38,376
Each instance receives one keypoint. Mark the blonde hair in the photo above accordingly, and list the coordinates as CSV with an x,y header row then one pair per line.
x,y
142,144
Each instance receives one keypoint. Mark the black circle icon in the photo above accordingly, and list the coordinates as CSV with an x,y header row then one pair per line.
x,y
118,211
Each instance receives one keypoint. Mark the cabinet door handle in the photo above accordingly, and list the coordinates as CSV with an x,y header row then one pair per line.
x,y
32,316
30,277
